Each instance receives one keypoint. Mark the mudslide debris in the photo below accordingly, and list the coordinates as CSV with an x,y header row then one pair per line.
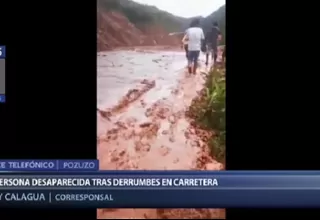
x,y
133,95
105,114
155,135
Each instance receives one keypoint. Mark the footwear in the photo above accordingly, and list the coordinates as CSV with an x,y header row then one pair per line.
x,y
195,66
189,69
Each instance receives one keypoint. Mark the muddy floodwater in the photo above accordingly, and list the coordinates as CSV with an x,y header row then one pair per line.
x,y
143,95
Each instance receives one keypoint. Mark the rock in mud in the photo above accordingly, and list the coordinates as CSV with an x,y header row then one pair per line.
x,y
171,139
165,132
214,166
152,130
140,147
112,131
105,114
144,141
131,121
164,151
133,165
172,119
204,139
121,125
114,159
192,131
161,115
175,91
121,163
122,153
148,112
147,147
193,123
145,124
162,112
149,84
114,137
143,104
132,94
128,135
144,81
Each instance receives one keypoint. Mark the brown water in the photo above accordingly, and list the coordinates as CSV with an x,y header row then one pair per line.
x,y
143,96
119,71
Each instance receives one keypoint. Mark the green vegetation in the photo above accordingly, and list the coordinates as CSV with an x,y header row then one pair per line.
x,y
142,15
215,115
209,111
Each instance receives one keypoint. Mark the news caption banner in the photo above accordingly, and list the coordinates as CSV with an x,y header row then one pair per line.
x,y
2,74
84,188
48,165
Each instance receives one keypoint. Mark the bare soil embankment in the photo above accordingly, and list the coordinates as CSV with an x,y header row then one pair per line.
x,y
115,30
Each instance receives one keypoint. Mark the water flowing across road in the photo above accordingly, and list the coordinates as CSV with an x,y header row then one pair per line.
x,y
143,95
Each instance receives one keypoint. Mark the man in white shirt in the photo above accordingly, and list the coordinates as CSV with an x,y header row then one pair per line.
x,y
195,37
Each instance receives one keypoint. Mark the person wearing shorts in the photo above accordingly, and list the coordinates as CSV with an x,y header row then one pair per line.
x,y
212,39
195,37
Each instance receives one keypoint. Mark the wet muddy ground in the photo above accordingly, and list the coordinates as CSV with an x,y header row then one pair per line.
x,y
143,94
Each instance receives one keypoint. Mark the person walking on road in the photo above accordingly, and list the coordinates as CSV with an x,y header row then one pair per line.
x,y
185,42
212,39
195,37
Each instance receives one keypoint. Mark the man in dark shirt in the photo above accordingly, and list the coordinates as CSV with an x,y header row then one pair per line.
x,y
212,38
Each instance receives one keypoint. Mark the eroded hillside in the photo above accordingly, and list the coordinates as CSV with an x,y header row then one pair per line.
x,y
126,23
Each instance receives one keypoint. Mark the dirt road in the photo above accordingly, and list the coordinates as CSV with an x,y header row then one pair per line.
x,y
143,95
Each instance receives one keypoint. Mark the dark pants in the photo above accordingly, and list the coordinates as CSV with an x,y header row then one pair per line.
x,y
213,50
193,56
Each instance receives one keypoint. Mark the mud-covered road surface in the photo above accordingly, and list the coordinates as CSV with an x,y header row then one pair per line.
x,y
143,95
